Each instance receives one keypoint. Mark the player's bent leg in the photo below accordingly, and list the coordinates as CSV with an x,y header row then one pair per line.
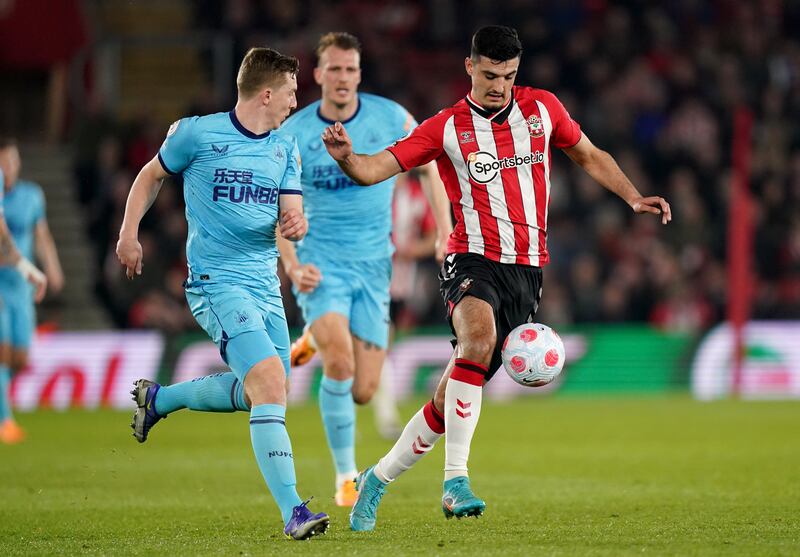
x,y
10,432
369,360
219,392
417,439
6,416
336,406
473,321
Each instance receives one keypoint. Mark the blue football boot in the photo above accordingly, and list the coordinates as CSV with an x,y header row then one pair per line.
x,y
305,524
144,395
365,511
458,499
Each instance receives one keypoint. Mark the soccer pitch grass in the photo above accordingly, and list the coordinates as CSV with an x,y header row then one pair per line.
x,y
561,476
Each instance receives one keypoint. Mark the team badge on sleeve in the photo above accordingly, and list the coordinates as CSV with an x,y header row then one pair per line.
x,y
173,127
535,126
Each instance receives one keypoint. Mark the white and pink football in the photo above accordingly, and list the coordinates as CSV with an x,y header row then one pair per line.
x,y
533,354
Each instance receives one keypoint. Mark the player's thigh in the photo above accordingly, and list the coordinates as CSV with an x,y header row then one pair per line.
x,y
23,324
332,336
369,316
245,350
369,360
277,328
472,297
232,317
474,323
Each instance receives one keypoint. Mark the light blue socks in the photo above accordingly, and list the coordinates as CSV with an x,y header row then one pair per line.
x,y
273,452
339,418
5,398
220,392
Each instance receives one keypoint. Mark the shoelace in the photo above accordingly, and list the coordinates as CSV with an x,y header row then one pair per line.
x,y
374,497
302,508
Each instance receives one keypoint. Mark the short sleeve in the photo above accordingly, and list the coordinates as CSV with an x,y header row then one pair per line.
x,y
180,145
422,146
38,205
566,131
290,185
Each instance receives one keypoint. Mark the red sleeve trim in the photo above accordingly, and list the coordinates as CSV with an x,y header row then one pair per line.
x,y
391,150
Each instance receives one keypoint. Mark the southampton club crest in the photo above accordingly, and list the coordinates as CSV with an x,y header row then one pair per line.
x,y
535,126
466,137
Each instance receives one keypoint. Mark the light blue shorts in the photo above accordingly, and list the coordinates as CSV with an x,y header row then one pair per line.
x,y
359,290
17,317
248,327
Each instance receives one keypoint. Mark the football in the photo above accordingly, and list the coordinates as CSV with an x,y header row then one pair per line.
x,y
533,354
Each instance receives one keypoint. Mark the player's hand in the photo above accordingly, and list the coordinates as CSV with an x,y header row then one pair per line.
x,y
656,205
293,225
34,276
337,142
55,281
305,277
129,253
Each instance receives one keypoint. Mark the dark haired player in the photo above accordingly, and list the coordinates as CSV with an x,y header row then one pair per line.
x,y
492,149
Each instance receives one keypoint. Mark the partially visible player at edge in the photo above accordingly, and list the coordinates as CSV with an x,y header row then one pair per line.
x,y
14,302
342,269
241,181
493,153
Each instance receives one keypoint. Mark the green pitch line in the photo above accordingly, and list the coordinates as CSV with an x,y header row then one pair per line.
x,y
561,476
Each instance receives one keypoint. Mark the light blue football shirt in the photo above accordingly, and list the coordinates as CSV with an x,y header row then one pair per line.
x,y
347,221
231,182
24,207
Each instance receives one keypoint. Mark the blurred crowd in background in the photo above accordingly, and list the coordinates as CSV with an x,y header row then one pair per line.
x,y
655,85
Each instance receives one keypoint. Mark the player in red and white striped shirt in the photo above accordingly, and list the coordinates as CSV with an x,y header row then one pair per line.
x,y
492,150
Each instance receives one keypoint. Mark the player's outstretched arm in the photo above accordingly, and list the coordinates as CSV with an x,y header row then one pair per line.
x,y
434,190
47,254
143,192
602,167
365,170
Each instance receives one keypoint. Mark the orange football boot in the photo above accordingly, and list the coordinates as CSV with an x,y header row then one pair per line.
x,y
11,433
346,495
303,349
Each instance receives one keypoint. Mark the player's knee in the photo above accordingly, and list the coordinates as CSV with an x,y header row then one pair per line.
x,y
338,364
479,348
364,391
266,383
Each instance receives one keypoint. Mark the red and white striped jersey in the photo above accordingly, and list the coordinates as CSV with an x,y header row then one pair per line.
x,y
496,169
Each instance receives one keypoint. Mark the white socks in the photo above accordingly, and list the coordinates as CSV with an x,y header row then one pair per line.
x,y
462,408
417,439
